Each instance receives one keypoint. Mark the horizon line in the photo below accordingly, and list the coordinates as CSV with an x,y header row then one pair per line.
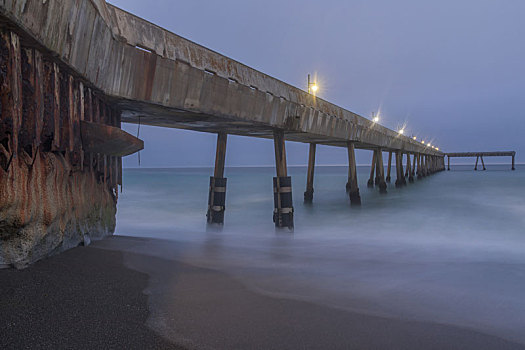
x,y
289,166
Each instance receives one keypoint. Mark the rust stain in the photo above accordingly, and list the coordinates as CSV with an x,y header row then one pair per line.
x,y
48,200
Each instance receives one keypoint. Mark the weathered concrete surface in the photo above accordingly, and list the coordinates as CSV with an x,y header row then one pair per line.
x,y
48,206
54,194
170,81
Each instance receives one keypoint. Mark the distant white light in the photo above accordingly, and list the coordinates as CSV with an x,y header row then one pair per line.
x,y
415,138
428,144
401,131
375,119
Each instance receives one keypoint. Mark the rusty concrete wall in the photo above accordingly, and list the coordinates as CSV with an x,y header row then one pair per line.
x,y
105,45
53,195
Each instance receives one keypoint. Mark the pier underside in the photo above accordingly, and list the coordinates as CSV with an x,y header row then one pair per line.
x,y
55,191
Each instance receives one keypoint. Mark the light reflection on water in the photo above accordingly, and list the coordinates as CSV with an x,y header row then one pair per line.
x,y
449,248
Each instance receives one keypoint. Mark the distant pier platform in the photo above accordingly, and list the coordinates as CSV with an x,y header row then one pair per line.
x,y
480,155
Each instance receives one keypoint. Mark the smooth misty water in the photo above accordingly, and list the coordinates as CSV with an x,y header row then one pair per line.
x,y
449,248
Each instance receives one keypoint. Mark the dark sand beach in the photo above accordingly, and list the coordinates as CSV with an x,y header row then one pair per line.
x,y
88,298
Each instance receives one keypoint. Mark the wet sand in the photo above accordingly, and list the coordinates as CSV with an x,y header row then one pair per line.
x,y
84,298
100,297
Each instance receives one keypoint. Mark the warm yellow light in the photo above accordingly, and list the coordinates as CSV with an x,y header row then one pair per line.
x,y
423,142
375,120
402,131
437,148
314,88
414,138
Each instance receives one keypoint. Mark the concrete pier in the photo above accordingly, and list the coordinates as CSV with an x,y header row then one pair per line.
x,y
309,193
282,185
351,186
64,97
217,192
480,155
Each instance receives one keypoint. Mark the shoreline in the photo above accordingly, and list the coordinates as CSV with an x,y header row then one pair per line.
x,y
85,294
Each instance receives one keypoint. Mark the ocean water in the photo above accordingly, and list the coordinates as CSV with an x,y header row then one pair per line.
x,y
449,248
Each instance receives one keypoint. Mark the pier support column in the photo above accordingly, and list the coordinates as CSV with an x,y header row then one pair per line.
x,y
309,193
372,171
380,174
400,180
409,169
448,167
476,166
424,165
282,185
389,168
418,158
414,167
351,187
217,194
513,168
483,163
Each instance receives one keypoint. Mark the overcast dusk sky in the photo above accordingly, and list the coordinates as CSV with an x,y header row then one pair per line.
x,y
453,71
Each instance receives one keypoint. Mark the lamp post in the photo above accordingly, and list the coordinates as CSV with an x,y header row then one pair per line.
x,y
312,86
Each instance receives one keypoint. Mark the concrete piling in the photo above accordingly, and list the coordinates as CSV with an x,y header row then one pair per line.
x,y
351,186
309,193
513,168
409,169
400,178
476,166
380,174
483,163
370,183
217,191
388,178
418,159
414,167
282,185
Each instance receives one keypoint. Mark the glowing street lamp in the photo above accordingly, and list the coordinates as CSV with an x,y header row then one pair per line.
x,y
401,131
312,86
375,117
414,138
